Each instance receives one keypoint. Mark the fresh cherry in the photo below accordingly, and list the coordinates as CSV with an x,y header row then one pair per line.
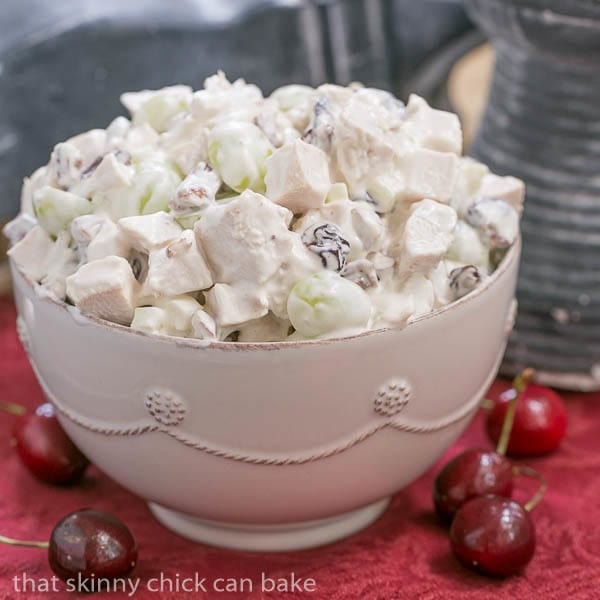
x,y
45,448
493,535
90,543
540,421
89,546
472,473
478,472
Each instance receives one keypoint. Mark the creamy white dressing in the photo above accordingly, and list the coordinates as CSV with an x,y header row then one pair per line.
x,y
222,214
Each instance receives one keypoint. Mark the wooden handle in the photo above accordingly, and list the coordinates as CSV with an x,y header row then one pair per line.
x,y
468,85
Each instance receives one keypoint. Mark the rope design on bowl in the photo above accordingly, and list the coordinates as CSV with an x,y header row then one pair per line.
x,y
167,422
322,453
257,459
300,459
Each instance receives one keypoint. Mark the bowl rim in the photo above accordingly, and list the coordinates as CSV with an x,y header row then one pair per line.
x,y
508,261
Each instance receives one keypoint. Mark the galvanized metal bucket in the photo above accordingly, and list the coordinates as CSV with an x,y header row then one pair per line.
x,y
542,124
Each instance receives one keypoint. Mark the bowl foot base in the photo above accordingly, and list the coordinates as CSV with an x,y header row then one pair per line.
x,y
269,538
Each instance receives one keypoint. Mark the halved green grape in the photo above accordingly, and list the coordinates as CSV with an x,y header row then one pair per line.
x,y
297,103
467,247
291,96
154,184
325,302
151,190
55,209
159,110
238,152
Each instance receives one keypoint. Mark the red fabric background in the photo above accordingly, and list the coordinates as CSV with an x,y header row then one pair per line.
x,y
404,555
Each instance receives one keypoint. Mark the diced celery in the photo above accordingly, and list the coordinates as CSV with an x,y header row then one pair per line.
x,y
150,319
188,221
338,192
55,209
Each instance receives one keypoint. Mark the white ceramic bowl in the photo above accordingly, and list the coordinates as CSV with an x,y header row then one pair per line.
x,y
268,446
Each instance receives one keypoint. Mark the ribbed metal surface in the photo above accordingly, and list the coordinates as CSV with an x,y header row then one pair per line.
x,y
542,124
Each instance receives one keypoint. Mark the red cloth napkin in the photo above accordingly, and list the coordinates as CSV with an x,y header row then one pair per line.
x,y
404,555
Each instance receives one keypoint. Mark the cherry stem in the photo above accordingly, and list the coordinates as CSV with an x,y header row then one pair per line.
x,y
487,404
529,472
519,384
19,411
26,544
13,409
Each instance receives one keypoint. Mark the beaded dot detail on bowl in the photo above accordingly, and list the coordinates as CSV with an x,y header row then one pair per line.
x,y
165,406
392,397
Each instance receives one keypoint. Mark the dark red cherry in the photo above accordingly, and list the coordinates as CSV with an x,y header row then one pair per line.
x,y
45,448
540,421
470,474
493,535
91,544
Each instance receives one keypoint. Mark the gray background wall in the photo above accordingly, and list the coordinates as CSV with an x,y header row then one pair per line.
x,y
64,63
